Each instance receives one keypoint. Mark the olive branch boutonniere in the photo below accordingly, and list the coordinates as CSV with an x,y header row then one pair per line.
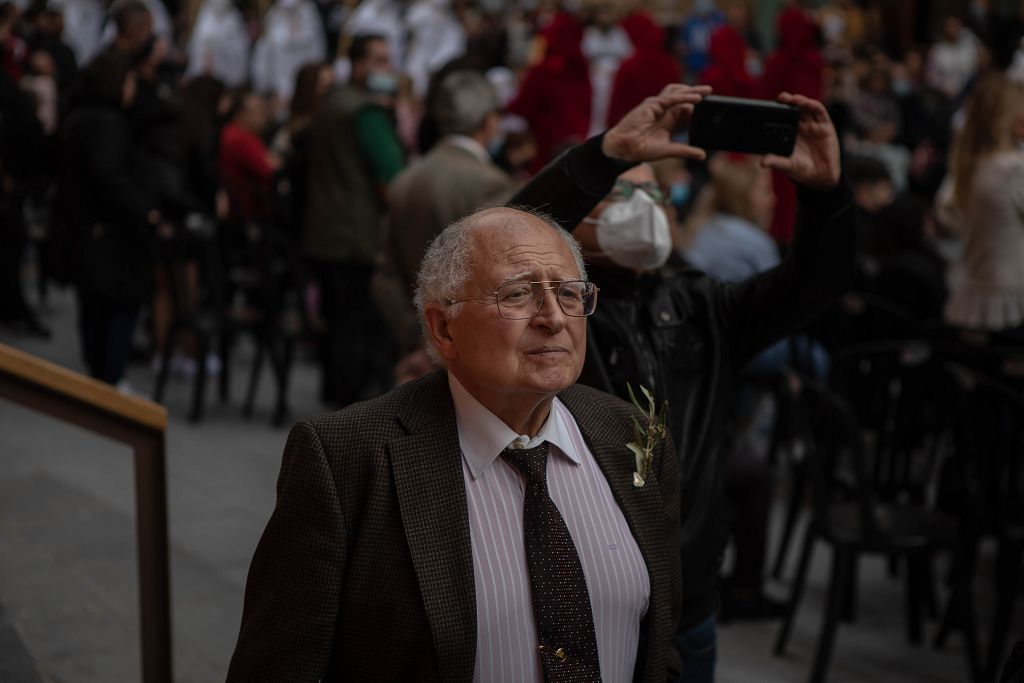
x,y
647,439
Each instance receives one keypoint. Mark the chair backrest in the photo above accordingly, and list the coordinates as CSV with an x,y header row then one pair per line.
x,y
892,387
836,452
986,422
863,317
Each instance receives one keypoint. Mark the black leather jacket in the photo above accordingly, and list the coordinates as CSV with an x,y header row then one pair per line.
x,y
686,336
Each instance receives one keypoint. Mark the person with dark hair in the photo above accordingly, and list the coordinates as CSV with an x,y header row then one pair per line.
x,y
48,38
291,145
134,38
354,154
107,215
203,103
907,269
21,166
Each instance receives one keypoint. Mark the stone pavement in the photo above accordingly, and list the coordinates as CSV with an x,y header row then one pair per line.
x,y
68,588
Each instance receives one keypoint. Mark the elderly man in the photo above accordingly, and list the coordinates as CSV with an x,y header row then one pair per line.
x,y
481,523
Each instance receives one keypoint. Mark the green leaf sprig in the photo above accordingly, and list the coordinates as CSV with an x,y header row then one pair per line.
x,y
647,439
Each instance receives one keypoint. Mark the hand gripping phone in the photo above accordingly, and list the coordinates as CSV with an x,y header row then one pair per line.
x,y
736,124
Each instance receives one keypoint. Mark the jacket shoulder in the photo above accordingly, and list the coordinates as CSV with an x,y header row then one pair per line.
x,y
376,420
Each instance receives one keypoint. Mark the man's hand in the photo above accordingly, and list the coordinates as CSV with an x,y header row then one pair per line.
x,y
645,133
815,158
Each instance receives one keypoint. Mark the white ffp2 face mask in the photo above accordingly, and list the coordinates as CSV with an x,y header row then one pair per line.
x,y
634,233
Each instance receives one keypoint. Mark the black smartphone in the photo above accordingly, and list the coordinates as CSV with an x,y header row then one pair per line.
x,y
736,124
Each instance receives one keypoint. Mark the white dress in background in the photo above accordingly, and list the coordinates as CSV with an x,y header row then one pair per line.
x,y
987,288
219,45
435,38
83,26
293,36
605,50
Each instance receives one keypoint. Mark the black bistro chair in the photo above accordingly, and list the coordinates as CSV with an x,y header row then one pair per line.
x,y
851,516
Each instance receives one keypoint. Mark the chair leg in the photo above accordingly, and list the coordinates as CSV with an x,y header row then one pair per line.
x,y
199,390
793,505
914,593
225,368
960,609
798,588
851,601
254,377
165,364
842,562
1007,586
284,373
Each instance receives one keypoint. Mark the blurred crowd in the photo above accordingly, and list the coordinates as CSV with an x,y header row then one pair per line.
x,y
198,171
127,126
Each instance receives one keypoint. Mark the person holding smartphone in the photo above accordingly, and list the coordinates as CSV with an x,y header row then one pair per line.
x,y
678,332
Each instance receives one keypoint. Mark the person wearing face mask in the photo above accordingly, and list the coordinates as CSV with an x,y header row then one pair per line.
x,y
682,334
454,179
354,154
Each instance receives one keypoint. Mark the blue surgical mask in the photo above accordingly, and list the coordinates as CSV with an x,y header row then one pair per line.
x,y
382,83
496,145
679,192
902,87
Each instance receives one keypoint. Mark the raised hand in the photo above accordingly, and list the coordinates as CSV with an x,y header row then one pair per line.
x,y
645,133
815,159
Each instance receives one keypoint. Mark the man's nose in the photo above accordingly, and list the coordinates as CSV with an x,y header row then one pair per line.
x,y
551,316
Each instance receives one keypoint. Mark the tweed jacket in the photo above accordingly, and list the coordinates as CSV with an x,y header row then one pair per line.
x,y
442,187
364,571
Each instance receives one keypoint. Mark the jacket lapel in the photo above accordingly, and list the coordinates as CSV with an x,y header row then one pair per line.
x,y
432,502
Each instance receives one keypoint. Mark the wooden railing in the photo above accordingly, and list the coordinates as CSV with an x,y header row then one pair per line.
x,y
141,424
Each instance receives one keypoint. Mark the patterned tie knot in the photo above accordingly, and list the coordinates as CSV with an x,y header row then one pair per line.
x,y
531,462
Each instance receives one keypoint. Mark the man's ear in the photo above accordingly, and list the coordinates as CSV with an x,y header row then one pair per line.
x,y
436,318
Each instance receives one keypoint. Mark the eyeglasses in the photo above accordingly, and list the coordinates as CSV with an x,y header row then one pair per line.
x,y
524,300
624,189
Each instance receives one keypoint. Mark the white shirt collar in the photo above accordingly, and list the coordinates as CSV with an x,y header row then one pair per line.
x,y
470,145
483,436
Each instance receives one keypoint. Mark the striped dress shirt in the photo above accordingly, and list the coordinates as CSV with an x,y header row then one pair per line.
x,y
617,578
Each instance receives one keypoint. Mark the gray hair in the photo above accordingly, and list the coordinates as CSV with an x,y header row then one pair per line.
x,y
462,102
446,265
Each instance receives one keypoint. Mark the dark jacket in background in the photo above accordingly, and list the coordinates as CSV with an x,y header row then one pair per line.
x,y
102,205
686,336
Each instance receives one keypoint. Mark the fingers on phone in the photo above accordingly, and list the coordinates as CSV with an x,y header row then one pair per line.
x,y
678,149
775,161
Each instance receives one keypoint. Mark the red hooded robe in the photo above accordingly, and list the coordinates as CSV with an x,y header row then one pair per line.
x,y
647,71
554,96
727,72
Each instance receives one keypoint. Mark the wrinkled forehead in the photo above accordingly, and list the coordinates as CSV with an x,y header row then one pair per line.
x,y
509,243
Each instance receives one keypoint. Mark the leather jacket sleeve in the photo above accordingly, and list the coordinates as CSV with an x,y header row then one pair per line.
x,y
571,185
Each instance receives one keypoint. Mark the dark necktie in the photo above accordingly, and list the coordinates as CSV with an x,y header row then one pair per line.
x,y
561,603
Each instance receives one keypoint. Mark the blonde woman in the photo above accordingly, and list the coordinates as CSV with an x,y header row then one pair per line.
x,y
726,236
988,193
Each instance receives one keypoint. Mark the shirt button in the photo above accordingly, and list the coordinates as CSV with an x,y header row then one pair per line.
x,y
560,655
665,316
